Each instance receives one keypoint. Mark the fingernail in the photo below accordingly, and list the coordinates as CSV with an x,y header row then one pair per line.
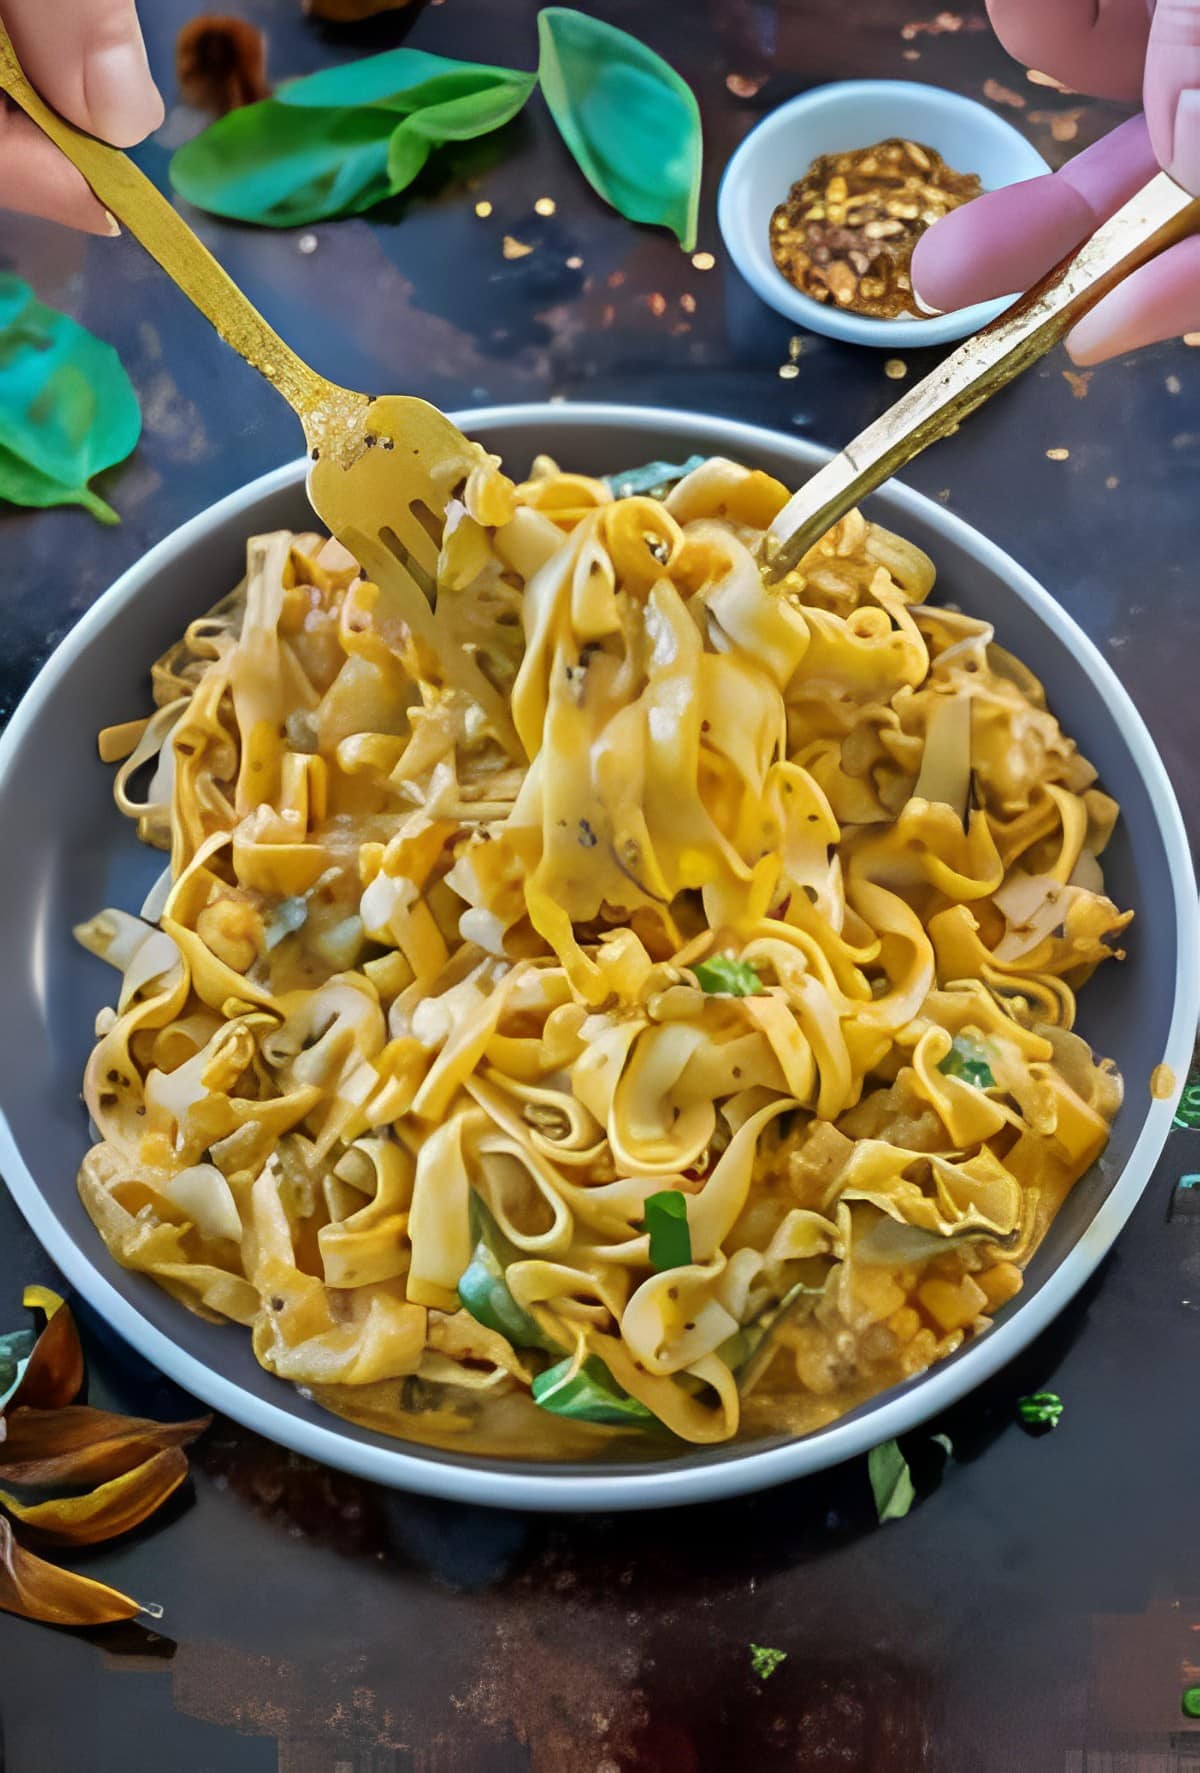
x,y
122,99
925,308
114,226
1185,150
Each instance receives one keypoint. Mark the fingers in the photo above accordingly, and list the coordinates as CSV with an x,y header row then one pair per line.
x,y
37,180
1159,301
1095,46
87,58
1007,239
1172,89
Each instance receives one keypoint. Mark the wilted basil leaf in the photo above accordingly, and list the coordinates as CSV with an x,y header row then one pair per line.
x,y
79,1445
53,1375
631,123
114,1507
34,1589
67,409
343,139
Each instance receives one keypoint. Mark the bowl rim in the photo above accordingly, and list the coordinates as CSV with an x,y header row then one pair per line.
x,y
549,1489
769,284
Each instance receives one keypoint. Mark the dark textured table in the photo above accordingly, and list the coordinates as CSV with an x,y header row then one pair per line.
x,y
1040,1607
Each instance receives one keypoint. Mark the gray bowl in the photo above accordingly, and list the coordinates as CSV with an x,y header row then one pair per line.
x,y
78,854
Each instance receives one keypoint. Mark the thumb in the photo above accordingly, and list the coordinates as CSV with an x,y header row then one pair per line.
x,y
87,59
1172,89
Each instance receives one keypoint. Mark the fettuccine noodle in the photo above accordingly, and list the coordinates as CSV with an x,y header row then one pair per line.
x,y
705,1068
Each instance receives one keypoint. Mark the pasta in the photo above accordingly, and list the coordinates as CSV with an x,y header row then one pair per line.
x,y
701,1070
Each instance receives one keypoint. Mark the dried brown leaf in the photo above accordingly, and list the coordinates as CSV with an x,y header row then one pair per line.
x,y
115,1507
54,1375
34,1589
221,63
79,1445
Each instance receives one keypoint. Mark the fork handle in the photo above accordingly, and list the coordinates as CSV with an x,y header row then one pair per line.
x,y
139,206
1151,220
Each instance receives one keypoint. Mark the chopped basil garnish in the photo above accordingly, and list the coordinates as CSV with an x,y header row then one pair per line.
x,y
967,1061
670,1235
589,1394
891,1481
727,976
654,480
1042,1409
764,1661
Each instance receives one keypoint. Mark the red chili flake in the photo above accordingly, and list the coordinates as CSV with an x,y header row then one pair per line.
x,y
1003,95
745,85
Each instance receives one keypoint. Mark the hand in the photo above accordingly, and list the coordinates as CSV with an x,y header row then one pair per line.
x,y
1007,239
87,59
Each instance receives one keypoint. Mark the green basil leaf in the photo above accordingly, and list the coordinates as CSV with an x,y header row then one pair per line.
x,y
655,479
460,117
457,119
891,1481
1043,1409
727,977
341,140
407,153
282,166
764,1660
402,79
484,1293
589,1395
967,1060
631,123
67,408
670,1235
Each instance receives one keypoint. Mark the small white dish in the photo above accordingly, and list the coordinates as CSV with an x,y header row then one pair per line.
x,y
854,114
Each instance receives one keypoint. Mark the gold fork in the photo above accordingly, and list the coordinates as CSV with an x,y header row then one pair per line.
x,y
1152,219
382,468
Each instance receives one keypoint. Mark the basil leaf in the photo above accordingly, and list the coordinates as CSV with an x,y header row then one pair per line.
x,y
739,1351
891,1481
282,166
67,408
670,1235
631,123
727,977
655,479
967,1061
475,110
405,80
764,1660
589,1395
343,139
1042,1409
484,1293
